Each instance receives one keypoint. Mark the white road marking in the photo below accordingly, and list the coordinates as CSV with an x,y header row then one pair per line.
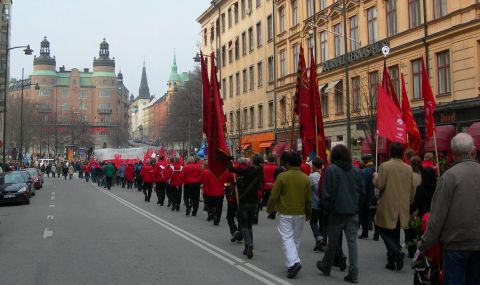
x,y
52,198
50,217
52,206
53,193
47,233
210,248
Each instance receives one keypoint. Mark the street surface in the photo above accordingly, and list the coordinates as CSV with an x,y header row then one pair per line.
x,y
75,233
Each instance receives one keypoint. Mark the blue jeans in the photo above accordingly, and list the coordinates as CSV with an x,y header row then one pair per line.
x,y
461,267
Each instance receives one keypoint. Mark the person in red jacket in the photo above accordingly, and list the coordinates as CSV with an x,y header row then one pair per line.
x,y
216,191
160,184
429,162
86,170
305,168
192,178
268,170
129,170
147,177
174,175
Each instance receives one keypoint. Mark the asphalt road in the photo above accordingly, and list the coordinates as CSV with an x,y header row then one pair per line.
x,y
75,233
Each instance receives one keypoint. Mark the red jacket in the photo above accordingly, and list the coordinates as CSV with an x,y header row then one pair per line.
x,y
174,174
305,168
86,168
213,186
192,173
159,171
430,164
129,173
268,170
147,173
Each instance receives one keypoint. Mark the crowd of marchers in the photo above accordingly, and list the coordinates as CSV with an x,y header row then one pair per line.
x,y
340,199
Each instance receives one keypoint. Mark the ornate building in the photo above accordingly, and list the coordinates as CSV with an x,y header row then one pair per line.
x,y
138,130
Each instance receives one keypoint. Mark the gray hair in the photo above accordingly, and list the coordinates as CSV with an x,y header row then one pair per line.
x,y
190,159
462,144
243,160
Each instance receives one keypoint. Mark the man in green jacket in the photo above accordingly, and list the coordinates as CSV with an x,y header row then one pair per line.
x,y
291,198
109,172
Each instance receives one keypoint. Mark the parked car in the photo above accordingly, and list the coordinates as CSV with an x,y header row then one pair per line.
x,y
37,177
15,186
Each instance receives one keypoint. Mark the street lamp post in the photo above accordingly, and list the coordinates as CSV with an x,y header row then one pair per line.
x,y
28,51
20,154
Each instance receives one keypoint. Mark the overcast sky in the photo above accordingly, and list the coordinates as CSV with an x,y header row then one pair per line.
x,y
135,30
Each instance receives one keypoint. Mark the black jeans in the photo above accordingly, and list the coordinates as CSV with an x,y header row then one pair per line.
x,y
215,205
391,238
147,190
231,215
246,216
109,182
160,190
364,216
318,224
461,267
191,197
176,193
266,196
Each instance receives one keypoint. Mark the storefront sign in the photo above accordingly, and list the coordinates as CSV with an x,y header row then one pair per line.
x,y
447,118
356,55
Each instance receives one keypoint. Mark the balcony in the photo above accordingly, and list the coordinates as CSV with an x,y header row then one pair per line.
x,y
104,111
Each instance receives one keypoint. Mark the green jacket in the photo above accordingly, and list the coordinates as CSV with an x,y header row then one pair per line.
x,y
108,170
291,194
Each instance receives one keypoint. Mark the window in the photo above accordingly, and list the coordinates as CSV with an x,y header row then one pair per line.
x,y
443,66
260,116
395,77
83,106
294,12
252,118
260,73
310,8
296,51
283,68
323,4
391,17
239,125
252,77
372,86
237,49
259,34
230,52
249,5
323,46
245,119
212,33
237,83
217,27
104,93
205,36
224,55
242,7
224,88
244,43
222,17
354,33
65,106
356,93
339,97
417,78
230,85
337,40
250,39
65,93
414,13
440,7
311,46
235,12
283,111
45,92
229,18
245,81
83,94
372,25
324,98
105,118
281,19
271,114
230,120
269,28
270,69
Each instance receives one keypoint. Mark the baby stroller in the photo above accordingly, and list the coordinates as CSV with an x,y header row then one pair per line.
x,y
428,267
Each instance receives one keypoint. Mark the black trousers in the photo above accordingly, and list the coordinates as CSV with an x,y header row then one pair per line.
x,y
215,205
231,215
147,190
266,196
391,238
160,190
176,195
246,217
109,182
191,197
364,216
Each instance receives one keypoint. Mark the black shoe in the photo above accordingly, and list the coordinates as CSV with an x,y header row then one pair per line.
x,y
169,204
194,214
322,267
178,208
158,202
363,236
399,261
161,204
236,236
390,266
376,237
187,213
350,279
341,263
250,252
215,223
245,251
317,246
293,271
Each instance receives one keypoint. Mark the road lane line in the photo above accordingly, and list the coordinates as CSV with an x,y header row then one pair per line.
x,y
47,233
210,248
52,206
50,217
52,198
53,193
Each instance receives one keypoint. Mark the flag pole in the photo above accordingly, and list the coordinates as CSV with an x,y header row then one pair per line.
x,y
376,151
435,144
316,136
292,135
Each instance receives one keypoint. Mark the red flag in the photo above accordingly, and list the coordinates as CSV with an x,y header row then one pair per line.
x,y
161,152
316,112
206,94
388,86
428,103
218,152
148,155
389,118
414,138
302,108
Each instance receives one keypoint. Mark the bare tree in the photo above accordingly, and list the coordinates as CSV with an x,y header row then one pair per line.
x,y
364,111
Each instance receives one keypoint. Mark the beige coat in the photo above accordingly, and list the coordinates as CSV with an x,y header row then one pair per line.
x,y
396,185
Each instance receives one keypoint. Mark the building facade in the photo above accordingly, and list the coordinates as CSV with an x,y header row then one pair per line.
x,y
74,107
137,106
446,35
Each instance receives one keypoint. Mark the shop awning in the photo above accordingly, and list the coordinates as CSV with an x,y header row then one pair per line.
x,y
366,146
246,146
444,135
332,85
474,131
266,144
280,147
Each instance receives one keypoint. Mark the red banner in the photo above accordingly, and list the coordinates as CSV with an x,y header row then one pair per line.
x,y
389,118
414,138
428,103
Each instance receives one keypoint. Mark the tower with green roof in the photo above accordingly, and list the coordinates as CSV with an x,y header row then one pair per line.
x,y
176,80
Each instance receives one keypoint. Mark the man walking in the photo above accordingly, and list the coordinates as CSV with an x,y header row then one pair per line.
x,y
192,178
342,194
160,184
455,216
147,177
268,170
109,172
291,199
318,228
395,182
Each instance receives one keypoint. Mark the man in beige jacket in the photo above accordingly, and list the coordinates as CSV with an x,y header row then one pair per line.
x,y
395,182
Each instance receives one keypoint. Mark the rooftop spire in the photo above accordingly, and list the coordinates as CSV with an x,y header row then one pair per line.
x,y
174,73
144,91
